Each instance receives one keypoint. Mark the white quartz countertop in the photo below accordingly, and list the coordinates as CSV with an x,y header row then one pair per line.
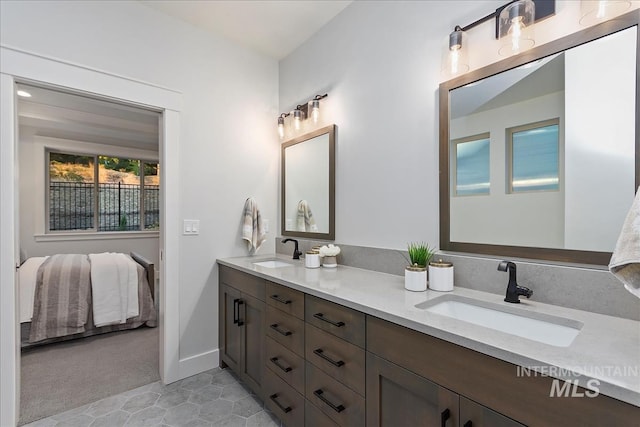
x,y
606,350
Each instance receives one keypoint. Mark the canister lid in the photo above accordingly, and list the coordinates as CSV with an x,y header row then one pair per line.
x,y
440,263
313,252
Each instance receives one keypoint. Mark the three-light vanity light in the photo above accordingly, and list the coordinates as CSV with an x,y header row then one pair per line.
x,y
310,109
514,28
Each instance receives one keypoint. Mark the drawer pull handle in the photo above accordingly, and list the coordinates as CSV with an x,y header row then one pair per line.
x,y
274,360
320,395
320,316
320,353
284,409
468,424
280,300
240,322
444,416
280,331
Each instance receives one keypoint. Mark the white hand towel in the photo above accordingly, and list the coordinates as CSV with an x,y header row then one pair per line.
x,y
625,260
305,220
252,229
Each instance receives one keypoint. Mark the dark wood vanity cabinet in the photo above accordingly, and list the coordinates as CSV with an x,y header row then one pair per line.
x,y
242,326
318,363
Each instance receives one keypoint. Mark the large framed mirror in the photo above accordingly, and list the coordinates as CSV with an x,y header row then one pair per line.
x,y
540,152
308,185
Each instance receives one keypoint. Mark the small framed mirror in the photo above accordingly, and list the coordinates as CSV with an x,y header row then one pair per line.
x,y
308,185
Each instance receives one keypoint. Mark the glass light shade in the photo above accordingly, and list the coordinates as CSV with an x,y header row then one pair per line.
x,y
455,58
515,27
314,107
594,11
281,127
297,119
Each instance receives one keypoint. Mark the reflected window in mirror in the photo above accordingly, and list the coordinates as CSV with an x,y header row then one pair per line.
x,y
561,186
534,157
308,185
471,166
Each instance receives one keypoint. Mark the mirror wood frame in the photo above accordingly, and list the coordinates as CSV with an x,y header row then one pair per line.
x,y
628,20
331,235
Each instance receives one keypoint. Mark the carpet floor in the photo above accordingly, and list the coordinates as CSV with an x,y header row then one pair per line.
x,y
63,376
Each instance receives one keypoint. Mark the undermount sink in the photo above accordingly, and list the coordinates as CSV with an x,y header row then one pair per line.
x,y
274,263
544,328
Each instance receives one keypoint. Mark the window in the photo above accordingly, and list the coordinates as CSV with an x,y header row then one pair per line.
x,y
533,152
102,193
471,168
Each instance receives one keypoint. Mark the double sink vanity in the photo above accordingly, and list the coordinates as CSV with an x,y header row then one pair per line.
x,y
352,347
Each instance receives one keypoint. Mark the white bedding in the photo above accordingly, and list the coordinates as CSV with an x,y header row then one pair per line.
x,y
114,288
114,282
28,274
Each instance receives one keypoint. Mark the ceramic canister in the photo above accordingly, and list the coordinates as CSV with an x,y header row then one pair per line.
x,y
441,276
312,259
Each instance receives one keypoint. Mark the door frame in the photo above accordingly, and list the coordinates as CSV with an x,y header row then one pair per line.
x,y
17,65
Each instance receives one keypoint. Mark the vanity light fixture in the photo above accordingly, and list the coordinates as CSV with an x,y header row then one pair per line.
x,y
23,93
281,124
595,11
515,27
513,23
301,113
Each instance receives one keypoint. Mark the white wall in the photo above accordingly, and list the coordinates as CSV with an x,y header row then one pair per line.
x,y
539,221
228,144
602,160
33,241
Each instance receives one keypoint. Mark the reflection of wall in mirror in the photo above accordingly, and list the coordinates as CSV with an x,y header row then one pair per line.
x,y
600,135
597,164
307,178
527,219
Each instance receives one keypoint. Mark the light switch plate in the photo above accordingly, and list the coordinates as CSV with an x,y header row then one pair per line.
x,y
191,227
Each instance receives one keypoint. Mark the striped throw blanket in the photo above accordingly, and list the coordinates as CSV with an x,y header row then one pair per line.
x,y
62,297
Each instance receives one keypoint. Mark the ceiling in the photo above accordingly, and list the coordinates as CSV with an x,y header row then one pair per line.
x,y
274,28
65,115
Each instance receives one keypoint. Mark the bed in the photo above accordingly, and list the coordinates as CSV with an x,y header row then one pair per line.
x,y
68,296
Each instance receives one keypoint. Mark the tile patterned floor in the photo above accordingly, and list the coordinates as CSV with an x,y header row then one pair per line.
x,y
210,399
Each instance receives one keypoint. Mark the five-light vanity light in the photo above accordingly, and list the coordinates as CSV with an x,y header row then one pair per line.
x,y
310,109
514,28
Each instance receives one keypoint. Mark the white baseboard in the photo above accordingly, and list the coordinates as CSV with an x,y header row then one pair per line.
x,y
198,363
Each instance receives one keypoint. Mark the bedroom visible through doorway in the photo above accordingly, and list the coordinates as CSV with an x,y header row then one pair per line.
x,y
89,184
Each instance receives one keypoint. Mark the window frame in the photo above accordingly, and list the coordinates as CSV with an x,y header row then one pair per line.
x,y
454,163
509,154
96,184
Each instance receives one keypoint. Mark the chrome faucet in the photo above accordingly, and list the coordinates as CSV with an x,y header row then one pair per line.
x,y
513,290
296,252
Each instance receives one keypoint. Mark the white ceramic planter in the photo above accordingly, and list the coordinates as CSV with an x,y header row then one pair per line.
x,y
329,262
415,279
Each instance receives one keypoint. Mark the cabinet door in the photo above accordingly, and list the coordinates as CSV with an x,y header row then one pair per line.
x,y
252,318
473,414
397,397
230,331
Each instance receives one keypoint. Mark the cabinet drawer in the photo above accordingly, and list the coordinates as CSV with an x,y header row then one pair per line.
x,y
281,399
338,402
314,417
285,364
336,319
338,358
286,329
243,282
286,299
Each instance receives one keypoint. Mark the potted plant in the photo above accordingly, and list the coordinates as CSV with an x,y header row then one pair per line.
x,y
415,274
